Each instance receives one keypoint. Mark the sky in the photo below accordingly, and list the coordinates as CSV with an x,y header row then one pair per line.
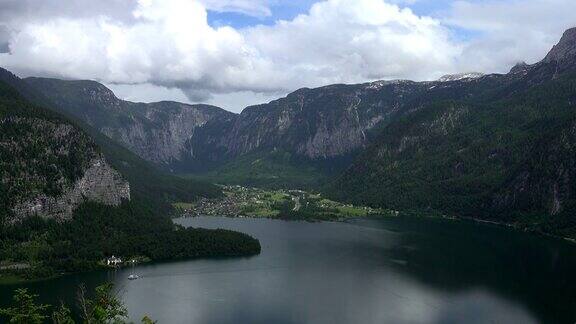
x,y
236,53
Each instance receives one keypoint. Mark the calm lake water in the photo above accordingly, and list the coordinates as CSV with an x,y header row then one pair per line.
x,y
363,271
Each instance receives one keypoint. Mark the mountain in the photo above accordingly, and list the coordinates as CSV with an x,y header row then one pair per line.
x,y
504,151
146,181
49,166
317,130
158,132
68,200
314,124
87,166
320,129
494,146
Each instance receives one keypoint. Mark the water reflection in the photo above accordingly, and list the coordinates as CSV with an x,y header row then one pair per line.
x,y
391,271
537,272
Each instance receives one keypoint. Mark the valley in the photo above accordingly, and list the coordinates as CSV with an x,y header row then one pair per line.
x,y
497,147
372,174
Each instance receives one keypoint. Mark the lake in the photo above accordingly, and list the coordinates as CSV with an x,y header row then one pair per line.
x,y
391,270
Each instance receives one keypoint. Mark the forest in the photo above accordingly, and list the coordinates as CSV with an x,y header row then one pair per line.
x,y
98,231
43,153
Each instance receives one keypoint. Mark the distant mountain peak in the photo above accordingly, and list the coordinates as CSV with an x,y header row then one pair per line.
x,y
461,76
520,68
565,49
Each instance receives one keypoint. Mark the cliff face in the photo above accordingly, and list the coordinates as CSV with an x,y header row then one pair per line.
x,y
161,132
563,54
323,124
315,124
48,167
99,183
158,132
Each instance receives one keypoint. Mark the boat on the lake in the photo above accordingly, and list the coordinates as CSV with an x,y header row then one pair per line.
x,y
133,276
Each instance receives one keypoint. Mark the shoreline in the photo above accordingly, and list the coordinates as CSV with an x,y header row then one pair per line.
x,y
381,216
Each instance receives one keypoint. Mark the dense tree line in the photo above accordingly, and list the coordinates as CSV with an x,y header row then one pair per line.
x,y
98,231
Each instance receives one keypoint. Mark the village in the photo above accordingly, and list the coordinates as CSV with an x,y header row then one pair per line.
x,y
239,201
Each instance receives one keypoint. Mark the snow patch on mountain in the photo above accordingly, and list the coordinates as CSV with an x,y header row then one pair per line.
x,y
461,76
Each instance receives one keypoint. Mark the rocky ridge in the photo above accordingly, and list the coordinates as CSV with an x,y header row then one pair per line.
x,y
325,124
99,183
158,132
461,76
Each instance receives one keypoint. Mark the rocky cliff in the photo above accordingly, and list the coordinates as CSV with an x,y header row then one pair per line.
x,y
563,54
48,166
316,124
99,183
324,124
158,132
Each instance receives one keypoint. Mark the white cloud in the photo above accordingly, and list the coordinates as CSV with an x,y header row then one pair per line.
x,y
354,41
509,31
146,92
168,44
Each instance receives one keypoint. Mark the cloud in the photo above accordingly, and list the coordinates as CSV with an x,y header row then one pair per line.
x,y
20,12
4,39
169,44
248,7
354,41
509,31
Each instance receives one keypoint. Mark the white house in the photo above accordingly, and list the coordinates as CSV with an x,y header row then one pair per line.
x,y
113,261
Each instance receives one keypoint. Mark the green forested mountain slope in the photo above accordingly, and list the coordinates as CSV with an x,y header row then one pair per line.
x,y
68,222
146,180
42,157
506,153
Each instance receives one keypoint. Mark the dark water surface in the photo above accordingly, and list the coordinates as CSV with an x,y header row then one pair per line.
x,y
363,271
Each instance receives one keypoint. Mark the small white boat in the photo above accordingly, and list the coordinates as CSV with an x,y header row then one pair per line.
x,y
133,276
